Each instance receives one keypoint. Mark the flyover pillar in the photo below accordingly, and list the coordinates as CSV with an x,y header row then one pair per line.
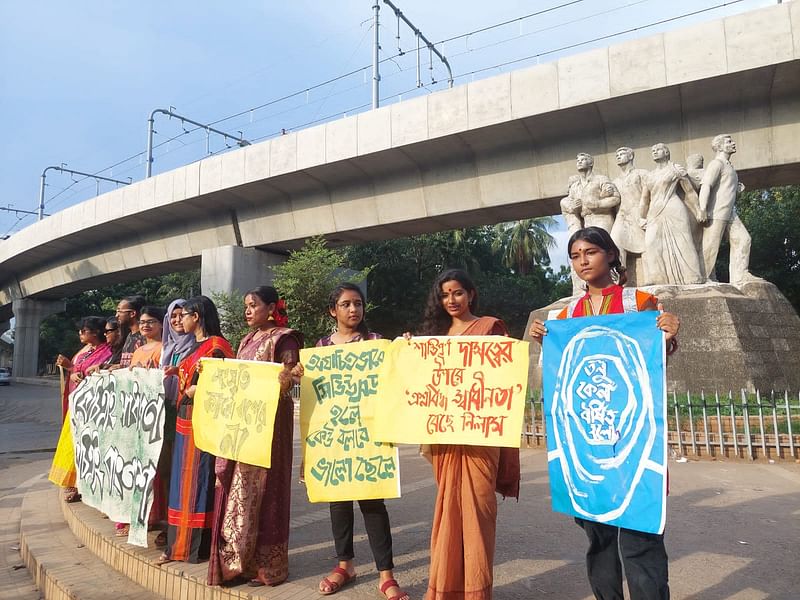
x,y
234,270
28,315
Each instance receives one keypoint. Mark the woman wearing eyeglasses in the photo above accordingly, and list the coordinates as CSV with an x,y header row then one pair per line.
x,y
191,492
251,508
346,306
150,323
95,351
148,356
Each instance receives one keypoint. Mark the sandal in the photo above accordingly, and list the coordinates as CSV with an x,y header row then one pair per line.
x,y
390,583
71,495
335,586
123,531
161,539
162,559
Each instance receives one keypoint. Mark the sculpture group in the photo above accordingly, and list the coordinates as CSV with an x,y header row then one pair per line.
x,y
668,222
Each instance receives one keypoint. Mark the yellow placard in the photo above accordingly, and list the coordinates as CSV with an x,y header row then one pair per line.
x,y
454,390
234,409
339,393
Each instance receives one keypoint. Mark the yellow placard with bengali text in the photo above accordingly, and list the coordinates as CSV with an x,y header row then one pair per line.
x,y
339,393
454,390
234,409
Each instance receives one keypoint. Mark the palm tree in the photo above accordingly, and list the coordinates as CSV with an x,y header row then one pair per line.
x,y
524,243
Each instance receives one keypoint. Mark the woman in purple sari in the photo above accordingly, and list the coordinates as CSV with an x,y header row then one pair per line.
x,y
250,532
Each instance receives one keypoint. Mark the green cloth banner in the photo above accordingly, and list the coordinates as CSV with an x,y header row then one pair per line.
x,y
117,421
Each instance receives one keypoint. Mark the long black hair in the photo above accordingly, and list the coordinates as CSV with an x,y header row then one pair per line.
x,y
602,239
94,325
436,321
346,286
207,314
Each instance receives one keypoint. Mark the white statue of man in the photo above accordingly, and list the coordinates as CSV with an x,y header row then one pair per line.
x,y
626,232
718,190
592,200
599,197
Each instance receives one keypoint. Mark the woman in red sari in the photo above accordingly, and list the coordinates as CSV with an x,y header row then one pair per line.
x,y
465,516
595,258
191,490
250,533
96,350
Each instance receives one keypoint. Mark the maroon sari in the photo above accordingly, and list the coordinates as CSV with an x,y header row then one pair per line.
x,y
250,532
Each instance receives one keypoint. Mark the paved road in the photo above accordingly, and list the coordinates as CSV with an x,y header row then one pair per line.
x,y
733,528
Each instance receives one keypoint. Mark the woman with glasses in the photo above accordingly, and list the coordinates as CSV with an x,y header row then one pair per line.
x,y
150,323
116,333
346,305
95,351
191,492
148,356
251,508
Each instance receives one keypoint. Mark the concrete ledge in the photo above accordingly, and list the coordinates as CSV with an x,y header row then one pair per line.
x,y
176,580
61,566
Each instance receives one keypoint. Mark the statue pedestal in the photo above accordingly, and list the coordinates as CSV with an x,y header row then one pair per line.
x,y
730,338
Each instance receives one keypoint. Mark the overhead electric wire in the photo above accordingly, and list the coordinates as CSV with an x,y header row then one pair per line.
x,y
401,70
597,39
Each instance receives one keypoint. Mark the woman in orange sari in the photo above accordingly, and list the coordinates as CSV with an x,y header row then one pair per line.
x,y
465,516
191,491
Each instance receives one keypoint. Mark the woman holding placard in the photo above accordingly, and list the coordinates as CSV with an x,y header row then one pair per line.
x,y
595,259
465,515
191,490
346,306
250,534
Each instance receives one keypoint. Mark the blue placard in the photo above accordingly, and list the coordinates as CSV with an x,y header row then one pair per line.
x,y
605,411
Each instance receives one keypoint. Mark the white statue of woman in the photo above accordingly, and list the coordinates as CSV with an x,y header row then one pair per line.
x,y
670,253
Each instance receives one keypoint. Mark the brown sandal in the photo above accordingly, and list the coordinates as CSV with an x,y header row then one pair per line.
x,y
71,495
123,531
390,583
335,586
161,539
162,559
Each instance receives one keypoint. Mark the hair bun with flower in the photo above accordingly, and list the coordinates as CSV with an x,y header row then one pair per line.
x,y
280,316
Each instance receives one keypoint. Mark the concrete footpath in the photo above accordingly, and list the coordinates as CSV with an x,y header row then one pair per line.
x,y
733,528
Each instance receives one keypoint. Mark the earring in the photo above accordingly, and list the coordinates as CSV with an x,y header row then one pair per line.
x,y
615,275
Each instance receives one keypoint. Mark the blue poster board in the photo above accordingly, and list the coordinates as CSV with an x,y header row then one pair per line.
x,y
605,412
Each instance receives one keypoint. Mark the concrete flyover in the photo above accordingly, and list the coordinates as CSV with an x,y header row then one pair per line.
x,y
496,149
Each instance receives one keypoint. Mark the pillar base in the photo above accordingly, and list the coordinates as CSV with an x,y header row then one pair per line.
x,y
235,270
28,315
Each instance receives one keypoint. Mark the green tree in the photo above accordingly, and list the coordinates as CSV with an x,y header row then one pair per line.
x,y
305,281
231,316
771,217
59,332
524,243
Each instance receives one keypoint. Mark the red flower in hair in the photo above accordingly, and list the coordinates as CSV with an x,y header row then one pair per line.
x,y
280,315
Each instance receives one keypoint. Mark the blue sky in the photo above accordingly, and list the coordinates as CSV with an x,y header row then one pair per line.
x,y
78,80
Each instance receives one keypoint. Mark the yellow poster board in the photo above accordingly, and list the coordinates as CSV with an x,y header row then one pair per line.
x,y
339,393
234,409
454,390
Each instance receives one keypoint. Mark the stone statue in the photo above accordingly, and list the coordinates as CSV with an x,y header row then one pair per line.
x,y
598,196
694,167
571,208
627,232
718,190
592,200
671,255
